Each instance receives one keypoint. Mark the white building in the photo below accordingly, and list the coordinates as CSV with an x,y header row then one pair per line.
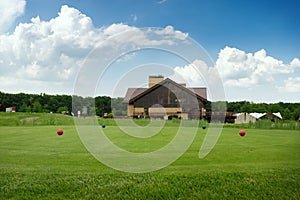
x,y
243,118
11,109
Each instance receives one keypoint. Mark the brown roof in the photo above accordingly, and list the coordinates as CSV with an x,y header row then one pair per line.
x,y
133,93
200,91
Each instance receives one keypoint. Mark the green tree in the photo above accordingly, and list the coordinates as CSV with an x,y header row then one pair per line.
x,y
260,108
274,107
287,114
103,105
62,109
118,107
219,106
246,107
37,107
46,108
296,113
22,108
28,109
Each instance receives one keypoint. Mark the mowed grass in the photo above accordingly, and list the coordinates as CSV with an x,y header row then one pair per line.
x,y
34,119
36,163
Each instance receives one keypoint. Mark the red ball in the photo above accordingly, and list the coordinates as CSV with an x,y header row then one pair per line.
x,y
60,132
242,132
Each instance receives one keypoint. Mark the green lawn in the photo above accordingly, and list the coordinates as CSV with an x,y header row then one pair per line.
x,y
36,163
34,119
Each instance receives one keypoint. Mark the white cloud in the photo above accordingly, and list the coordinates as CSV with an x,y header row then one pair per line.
x,y
199,74
253,76
192,73
48,49
52,51
10,10
241,69
169,32
295,63
126,57
292,84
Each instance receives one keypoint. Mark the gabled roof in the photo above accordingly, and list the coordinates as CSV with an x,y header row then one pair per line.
x,y
257,115
136,93
260,115
277,115
133,92
199,91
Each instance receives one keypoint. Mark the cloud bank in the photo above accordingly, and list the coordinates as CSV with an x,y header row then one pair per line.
x,y
42,53
244,70
240,69
256,76
10,10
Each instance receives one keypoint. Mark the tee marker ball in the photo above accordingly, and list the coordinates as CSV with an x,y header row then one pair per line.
x,y
103,125
60,132
242,132
204,126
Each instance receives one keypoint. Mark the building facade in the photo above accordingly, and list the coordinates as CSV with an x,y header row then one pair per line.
x,y
165,98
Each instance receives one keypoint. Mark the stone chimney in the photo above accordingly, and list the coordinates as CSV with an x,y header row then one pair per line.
x,y
153,80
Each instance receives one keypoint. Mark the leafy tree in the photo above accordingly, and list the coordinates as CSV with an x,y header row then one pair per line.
x,y
62,109
53,104
118,107
260,108
28,109
46,108
219,106
23,108
274,107
37,107
102,105
287,114
296,113
208,106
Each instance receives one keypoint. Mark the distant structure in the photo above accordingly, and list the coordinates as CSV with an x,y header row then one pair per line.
x,y
243,118
164,98
11,109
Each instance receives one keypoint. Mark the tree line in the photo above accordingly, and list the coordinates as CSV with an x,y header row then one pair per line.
x,y
104,104
289,111
61,103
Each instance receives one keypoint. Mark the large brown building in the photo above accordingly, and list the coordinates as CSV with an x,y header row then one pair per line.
x,y
166,98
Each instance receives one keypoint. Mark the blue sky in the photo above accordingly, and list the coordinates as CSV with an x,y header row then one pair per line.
x,y
250,25
247,32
